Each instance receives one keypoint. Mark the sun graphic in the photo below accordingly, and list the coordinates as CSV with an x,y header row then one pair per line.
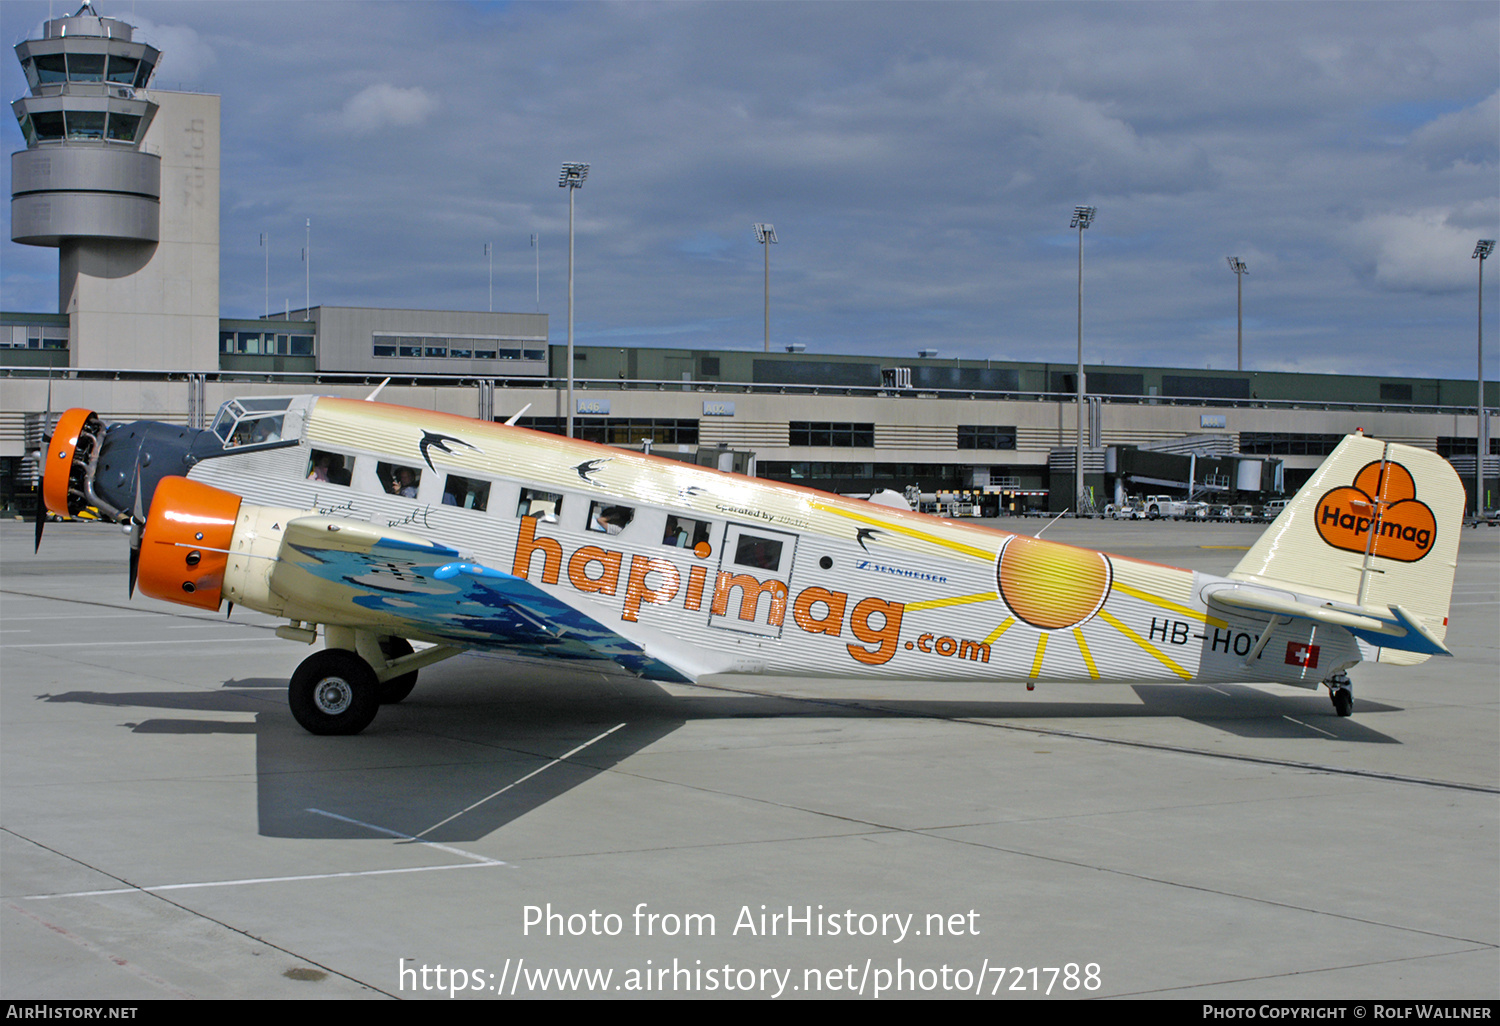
x,y
1052,586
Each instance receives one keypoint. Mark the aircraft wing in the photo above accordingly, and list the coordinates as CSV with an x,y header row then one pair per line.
x,y
358,574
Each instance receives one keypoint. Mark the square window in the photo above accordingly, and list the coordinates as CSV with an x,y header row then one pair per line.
x,y
609,518
539,504
466,492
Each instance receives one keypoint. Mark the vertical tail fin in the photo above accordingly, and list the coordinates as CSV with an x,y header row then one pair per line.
x,y
1376,527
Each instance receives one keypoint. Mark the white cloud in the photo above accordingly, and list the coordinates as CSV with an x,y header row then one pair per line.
x,y
1419,252
1471,136
185,57
384,106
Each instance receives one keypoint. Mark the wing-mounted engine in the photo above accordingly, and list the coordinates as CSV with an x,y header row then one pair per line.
x,y
68,468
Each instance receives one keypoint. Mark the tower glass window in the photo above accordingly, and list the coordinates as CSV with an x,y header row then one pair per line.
x,y
86,67
51,69
85,124
122,70
123,127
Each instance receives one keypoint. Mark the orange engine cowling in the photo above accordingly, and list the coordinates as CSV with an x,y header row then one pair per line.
x,y
185,542
75,441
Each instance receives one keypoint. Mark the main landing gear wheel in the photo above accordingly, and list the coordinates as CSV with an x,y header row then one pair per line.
x,y
1341,693
397,688
334,692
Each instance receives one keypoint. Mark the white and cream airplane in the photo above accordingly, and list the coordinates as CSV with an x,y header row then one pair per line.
x,y
384,526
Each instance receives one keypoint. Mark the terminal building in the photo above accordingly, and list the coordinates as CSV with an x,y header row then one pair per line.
x,y
123,181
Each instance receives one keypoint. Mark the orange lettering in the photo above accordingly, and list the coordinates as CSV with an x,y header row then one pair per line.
x,y
607,582
750,593
527,544
833,603
636,591
696,577
886,637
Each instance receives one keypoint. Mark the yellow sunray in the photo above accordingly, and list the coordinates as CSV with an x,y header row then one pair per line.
x,y
1146,645
1088,657
1157,600
1036,664
957,600
995,634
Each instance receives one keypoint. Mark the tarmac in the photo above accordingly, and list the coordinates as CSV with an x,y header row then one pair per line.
x,y
523,829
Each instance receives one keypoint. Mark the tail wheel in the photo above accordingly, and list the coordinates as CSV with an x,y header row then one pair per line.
x,y
397,688
334,692
1343,701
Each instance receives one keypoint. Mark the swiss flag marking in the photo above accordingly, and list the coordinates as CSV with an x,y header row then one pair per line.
x,y
1298,654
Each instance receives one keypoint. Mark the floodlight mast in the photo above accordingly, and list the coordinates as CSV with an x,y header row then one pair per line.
x,y
1082,218
1482,253
765,234
1240,270
571,178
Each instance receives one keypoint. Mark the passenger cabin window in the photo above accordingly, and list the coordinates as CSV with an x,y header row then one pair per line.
x,y
684,533
760,553
466,492
333,467
608,518
542,505
398,479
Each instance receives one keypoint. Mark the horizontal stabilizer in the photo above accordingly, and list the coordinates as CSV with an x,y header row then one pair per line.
x,y
1389,627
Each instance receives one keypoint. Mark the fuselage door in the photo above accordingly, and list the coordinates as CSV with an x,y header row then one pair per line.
x,y
754,579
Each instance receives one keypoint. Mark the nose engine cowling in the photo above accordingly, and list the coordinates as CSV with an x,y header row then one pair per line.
x,y
186,542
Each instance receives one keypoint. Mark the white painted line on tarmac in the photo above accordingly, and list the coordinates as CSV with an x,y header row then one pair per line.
x,y
485,859
523,780
476,862
262,880
119,644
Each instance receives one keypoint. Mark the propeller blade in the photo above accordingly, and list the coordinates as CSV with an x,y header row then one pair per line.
x,y
137,527
41,462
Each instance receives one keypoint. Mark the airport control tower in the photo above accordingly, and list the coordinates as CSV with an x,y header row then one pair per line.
x,y
124,182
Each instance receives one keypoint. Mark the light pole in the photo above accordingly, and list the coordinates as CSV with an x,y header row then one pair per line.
x,y
1240,270
265,246
1481,253
1082,218
765,234
571,178
489,255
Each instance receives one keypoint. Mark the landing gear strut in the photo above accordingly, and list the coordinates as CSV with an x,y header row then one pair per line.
x,y
1341,692
396,688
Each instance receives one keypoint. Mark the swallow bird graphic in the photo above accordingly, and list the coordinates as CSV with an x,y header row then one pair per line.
x,y
588,467
433,440
863,533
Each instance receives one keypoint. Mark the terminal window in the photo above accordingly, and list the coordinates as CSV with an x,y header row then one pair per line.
x,y
986,436
455,347
1287,443
619,430
829,433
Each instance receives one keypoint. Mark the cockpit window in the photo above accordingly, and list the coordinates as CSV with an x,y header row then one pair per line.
x,y
251,421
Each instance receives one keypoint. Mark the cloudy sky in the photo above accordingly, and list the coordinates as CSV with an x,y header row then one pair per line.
x,y
920,163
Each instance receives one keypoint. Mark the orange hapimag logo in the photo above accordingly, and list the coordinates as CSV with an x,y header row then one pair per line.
x,y
1383,499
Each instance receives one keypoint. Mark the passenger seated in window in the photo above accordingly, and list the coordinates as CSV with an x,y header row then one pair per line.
x,y
404,483
609,519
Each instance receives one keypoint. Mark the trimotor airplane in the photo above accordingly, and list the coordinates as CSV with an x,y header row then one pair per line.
x,y
384,526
